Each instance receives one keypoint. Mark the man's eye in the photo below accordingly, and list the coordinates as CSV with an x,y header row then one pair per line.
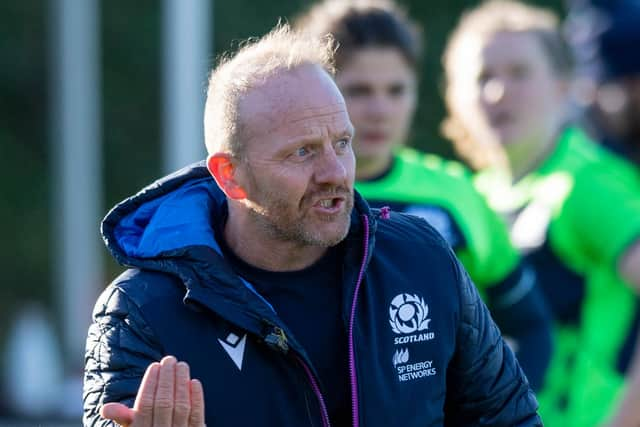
x,y
343,144
302,151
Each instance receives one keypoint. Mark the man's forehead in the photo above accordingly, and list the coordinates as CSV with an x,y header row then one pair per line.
x,y
293,100
306,120
324,114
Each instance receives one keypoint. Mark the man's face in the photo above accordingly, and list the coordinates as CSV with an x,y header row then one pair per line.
x,y
507,91
298,165
380,90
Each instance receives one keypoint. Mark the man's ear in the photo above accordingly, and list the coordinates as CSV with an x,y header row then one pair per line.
x,y
223,170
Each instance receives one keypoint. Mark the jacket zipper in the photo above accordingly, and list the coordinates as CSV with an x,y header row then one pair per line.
x,y
278,340
316,390
355,405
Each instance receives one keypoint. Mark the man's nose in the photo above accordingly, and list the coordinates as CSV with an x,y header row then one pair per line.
x,y
331,168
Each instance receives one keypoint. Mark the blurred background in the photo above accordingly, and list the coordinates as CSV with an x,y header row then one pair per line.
x,y
98,99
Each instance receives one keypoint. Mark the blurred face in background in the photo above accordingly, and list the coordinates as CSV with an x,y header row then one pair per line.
x,y
504,90
617,112
379,87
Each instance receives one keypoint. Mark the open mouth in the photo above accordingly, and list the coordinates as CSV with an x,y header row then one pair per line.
x,y
330,204
327,203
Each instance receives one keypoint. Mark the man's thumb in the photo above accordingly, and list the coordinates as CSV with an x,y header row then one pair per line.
x,y
117,412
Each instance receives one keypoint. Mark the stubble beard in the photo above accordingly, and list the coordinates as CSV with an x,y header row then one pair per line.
x,y
275,220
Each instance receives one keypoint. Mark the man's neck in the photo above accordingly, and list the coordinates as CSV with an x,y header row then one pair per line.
x,y
255,247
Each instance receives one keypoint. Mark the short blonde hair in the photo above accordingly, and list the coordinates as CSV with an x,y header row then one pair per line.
x,y
482,22
282,49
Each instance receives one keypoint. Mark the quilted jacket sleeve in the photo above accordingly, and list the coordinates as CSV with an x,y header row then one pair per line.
x,y
120,346
485,384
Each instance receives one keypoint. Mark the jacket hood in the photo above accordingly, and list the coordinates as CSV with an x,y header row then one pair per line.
x,y
175,213
169,215
169,226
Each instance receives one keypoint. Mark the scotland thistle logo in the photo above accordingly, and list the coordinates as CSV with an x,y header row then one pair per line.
x,y
408,314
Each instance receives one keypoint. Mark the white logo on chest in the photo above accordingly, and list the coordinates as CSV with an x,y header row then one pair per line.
x,y
407,371
407,315
234,346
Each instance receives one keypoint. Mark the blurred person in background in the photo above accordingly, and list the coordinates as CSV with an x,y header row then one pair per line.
x,y
605,36
279,288
377,61
573,206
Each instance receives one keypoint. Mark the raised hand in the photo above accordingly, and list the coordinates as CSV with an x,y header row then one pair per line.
x,y
167,397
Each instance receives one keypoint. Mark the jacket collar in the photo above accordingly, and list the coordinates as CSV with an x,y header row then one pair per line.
x,y
167,227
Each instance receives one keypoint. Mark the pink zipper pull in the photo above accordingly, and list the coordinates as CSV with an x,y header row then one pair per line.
x,y
385,212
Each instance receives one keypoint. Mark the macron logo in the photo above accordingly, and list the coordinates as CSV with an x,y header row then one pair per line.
x,y
234,346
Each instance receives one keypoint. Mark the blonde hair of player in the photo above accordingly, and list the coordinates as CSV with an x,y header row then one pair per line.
x,y
475,27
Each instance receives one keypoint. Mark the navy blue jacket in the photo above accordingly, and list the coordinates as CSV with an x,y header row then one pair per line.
x,y
423,350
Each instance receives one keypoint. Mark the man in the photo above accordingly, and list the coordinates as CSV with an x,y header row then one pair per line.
x,y
291,301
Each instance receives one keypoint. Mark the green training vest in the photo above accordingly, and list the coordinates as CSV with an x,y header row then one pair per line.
x,y
584,202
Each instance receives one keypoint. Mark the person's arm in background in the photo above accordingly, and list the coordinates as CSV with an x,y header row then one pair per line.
x,y
629,411
485,384
520,311
610,228
509,288
629,267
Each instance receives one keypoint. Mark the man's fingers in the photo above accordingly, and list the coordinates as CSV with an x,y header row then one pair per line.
x,y
146,394
167,397
196,418
182,403
147,390
163,407
118,412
